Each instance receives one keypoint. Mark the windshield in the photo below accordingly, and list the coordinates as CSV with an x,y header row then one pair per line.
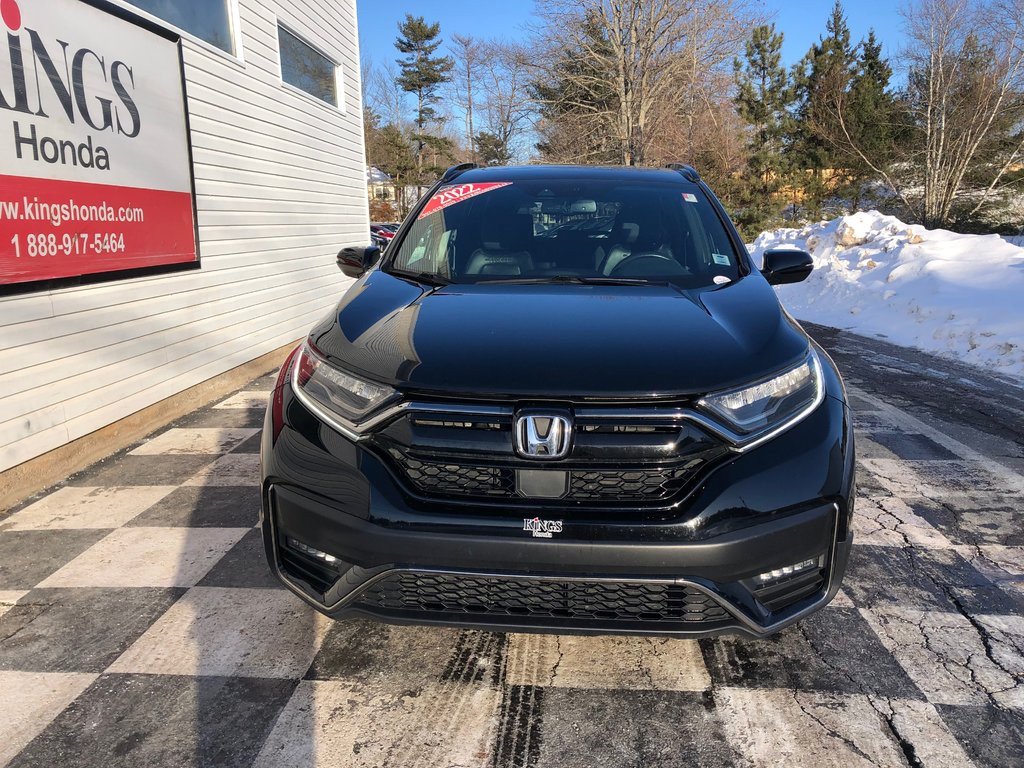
x,y
545,230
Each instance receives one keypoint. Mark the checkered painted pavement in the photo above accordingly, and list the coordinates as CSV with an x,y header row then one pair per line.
x,y
139,626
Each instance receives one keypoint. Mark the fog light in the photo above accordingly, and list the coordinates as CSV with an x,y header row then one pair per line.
x,y
788,570
308,550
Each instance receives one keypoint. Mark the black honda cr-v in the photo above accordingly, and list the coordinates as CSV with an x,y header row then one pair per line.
x,y
565,401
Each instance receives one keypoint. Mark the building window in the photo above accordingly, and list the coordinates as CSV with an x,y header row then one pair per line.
x,y
305,68
209,20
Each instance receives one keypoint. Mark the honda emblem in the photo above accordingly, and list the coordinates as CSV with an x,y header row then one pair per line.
x,y
543,434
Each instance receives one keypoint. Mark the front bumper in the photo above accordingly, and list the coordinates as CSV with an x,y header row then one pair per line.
x,y
689,570
689,588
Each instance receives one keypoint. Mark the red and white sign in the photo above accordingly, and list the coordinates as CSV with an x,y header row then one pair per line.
x,y
456,193
95,174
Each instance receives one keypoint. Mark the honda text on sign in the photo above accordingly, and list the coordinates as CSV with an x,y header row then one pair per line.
x,y
95,163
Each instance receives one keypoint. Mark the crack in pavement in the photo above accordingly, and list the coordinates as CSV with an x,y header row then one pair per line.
x,y
986,641
936,639
558,661
829,730
644,669
906,746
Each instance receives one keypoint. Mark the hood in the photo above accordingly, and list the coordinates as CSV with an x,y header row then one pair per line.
x,y
559,341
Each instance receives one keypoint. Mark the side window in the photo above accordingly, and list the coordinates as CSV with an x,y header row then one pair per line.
x,y
208,20
430,246
305,68
723,254
416,258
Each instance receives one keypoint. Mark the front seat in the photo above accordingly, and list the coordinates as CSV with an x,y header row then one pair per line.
x,y
505,244
641,233
622,238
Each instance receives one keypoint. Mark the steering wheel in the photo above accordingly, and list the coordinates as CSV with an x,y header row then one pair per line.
x,y
649,263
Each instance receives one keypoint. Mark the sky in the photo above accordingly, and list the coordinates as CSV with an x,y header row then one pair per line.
x,y
802,22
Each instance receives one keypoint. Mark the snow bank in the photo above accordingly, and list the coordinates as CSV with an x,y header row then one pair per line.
x,y
960,296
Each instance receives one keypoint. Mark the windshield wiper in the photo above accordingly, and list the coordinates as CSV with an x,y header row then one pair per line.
x,y
580,279
518,280
623,281
430,278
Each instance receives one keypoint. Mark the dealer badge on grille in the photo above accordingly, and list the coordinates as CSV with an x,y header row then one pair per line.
x,y
542,529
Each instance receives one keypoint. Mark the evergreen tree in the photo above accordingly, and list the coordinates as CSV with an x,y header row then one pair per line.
x,y
870,111
825,70
763,97
392,154
422,73
492,150
577,102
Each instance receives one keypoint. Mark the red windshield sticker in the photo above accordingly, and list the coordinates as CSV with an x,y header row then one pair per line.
x,y
689,197
456,194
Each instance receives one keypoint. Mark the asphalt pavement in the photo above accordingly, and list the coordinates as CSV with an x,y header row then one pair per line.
x,y
139,625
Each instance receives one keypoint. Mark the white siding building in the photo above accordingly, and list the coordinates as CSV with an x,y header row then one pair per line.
x,y
280,186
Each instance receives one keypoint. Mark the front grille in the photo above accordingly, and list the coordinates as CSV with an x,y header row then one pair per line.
x,y
616,460
536,600
433,477
608,485
630,484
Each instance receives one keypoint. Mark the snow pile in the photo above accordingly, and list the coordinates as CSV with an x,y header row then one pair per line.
x,y
960,296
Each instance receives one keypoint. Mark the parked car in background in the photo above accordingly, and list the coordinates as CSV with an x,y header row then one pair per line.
x,y
383,230
565,400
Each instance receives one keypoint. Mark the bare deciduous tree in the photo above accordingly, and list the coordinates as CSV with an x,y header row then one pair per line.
x,y
507,107
717,31
468,53
653,56
966,71
1006,21
965,95
383,94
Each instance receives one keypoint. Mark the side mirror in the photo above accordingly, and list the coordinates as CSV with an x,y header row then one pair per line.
x,y
783,266
355,260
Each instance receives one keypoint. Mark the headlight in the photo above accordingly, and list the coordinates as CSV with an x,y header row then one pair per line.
x,y
336,391
770,404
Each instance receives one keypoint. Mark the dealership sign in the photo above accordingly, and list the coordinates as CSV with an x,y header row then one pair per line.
x,y
95,170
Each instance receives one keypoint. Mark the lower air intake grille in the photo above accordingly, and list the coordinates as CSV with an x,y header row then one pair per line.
x,y
319,576
535,599
786,592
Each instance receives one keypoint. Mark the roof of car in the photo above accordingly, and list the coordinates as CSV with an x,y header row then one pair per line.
x,y
562,172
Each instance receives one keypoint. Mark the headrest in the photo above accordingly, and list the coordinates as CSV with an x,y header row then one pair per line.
x,y
628,232
507,233
483,263
649,232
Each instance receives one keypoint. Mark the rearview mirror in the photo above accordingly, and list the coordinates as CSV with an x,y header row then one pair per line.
x,y
783,266
355,260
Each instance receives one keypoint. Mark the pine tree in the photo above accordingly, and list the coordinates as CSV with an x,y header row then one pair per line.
x,y
393,155
492,150
763,97
577,103
825,70
870,111
422,73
